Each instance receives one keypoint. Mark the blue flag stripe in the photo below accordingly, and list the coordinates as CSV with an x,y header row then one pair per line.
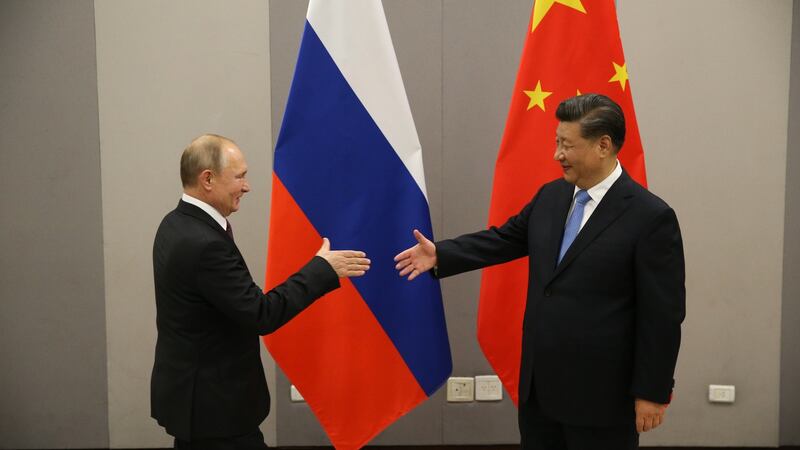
x,y
355,190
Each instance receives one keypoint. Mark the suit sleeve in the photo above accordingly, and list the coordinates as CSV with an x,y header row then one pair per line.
x,y
660,308
226,283
485,248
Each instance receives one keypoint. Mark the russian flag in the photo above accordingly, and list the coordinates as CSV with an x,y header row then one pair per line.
x,y
348,166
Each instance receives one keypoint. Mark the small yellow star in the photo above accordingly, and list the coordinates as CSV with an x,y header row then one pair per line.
x,y
537,96
542,7
620,74
578,92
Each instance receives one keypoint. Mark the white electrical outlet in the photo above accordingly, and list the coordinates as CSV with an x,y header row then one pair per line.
x,y
460,389
488,388
718,393
295,395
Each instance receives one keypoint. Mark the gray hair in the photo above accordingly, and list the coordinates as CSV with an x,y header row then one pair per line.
x,y
204,153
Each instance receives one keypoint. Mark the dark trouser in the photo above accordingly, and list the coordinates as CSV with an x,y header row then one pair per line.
x,y
250,441
540,432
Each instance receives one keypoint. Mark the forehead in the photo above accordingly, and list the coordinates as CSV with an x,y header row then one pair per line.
x,y
234,157
568,130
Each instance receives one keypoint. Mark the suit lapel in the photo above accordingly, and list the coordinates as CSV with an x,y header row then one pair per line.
x,y
614,203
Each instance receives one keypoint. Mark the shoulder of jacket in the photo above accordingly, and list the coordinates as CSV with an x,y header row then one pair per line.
x,y
651,201
557,185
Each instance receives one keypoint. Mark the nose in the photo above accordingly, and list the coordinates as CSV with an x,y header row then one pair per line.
x,y
558,155
246,186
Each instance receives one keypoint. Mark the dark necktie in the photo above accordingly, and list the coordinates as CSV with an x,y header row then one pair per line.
x,y
229,229
574,222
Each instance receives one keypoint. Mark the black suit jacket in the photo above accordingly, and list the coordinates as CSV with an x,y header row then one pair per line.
x,y
207,379
603,326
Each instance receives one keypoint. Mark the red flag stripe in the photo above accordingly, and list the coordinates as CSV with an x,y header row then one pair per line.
x,y
371,356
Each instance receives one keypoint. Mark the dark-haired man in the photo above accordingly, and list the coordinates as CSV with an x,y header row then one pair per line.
x,y
208,387
606,294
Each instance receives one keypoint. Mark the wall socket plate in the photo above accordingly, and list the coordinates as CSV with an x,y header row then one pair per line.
x,y
295,395
460,389
488,388
719,393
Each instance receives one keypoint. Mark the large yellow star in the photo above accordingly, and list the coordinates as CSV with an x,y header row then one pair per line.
x,y
542,7
537,96
620,74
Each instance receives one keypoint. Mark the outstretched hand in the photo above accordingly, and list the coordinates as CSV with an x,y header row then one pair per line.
x,y
346,263
417,259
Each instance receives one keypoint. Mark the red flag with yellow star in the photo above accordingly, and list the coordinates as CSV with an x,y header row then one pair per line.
x,y
572,47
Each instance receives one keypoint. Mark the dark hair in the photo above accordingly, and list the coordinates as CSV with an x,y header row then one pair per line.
x,y
597,114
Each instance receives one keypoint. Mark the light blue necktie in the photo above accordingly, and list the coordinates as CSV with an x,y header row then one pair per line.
x,y
574,222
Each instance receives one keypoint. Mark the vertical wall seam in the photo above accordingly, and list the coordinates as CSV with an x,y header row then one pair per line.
x,y
787,364
443,405
272,375
99,169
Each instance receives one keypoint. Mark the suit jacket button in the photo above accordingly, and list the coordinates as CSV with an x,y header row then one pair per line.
x,y
547,292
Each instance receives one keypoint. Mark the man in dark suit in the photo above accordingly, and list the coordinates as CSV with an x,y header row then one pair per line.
x,y
208,387
606,294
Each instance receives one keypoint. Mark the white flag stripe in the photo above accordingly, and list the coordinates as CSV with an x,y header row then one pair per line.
x,y
364,53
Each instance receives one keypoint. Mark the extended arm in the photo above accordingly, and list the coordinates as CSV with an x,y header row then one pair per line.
x,y
226,283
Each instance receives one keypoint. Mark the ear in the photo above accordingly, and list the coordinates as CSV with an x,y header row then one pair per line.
x,y
205,179
605,146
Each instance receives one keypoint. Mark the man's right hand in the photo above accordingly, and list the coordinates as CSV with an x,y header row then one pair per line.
x,y
649,415
417,259
346,263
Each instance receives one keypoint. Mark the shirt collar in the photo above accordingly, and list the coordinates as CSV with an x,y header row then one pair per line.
x,y
598,191
210,210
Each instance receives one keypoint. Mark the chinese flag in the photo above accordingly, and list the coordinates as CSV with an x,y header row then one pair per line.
x,y
571,47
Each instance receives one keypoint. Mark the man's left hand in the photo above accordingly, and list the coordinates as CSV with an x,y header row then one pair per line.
x,y
649,415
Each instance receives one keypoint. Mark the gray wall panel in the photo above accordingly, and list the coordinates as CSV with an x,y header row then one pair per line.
x,y
53,380
790,316
482,46
198,66
710,83
295,422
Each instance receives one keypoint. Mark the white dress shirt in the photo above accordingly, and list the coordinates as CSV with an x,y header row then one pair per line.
x,y
596,192
210,210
